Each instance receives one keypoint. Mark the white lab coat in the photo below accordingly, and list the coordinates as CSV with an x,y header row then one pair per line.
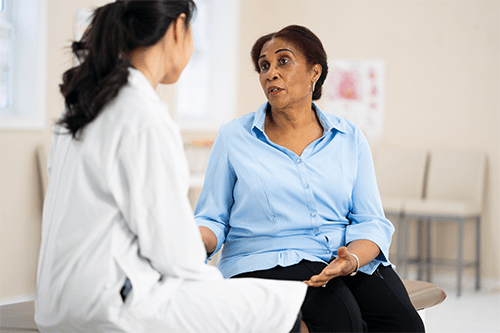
x,y
117,207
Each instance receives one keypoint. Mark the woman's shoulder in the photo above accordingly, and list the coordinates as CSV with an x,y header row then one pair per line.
x,y
238,125
342,124
134,108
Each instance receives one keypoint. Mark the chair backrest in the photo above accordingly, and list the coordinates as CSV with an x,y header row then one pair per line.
x,y
456,175
41,162
400,171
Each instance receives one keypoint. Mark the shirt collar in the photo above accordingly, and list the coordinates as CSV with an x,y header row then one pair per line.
x,y
328,121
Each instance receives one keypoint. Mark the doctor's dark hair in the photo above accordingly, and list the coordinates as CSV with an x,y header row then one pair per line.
x,y
303,39
115,30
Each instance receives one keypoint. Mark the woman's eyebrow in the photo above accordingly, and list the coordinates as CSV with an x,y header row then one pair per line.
x,y
263,55
284,50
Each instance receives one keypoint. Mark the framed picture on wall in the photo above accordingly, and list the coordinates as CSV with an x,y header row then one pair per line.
x,y
355,90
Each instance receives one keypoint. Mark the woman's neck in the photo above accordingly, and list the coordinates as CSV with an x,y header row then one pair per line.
x,y
292,119
293,129
148,60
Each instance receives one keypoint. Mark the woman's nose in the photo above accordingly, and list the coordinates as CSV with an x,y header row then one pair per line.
x,y
272,74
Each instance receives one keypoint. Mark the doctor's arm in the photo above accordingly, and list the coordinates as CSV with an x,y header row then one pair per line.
x,y
151,191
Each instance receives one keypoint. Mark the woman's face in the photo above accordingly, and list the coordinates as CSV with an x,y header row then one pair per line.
x,y
286,77
181,54
188,46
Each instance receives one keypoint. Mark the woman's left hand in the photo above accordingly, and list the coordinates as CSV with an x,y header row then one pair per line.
x,y
343,265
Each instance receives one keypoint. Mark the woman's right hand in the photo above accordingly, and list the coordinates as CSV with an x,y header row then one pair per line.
x,y
209,240
343,265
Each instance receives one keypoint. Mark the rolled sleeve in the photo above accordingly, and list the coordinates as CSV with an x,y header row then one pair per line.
x,y
378,230
367,218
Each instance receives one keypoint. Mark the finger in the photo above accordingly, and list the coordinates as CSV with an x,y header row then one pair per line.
x,y
314,284
319,280
343,252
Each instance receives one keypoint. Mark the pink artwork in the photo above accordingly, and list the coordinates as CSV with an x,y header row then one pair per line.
x,y
355,90
347,85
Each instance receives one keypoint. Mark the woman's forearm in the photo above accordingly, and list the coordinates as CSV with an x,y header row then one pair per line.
x,y
365,250
209,239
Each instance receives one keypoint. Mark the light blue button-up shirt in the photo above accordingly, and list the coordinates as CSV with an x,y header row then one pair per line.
x,y
270,207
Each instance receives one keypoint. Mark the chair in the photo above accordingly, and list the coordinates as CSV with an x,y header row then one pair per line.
x,y
400,176
454,193
41,163
423,294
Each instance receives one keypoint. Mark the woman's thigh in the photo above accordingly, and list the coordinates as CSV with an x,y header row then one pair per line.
x,y
329,309
384,302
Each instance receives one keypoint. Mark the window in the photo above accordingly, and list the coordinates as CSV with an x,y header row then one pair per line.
x,y
23,63
206,89
5,57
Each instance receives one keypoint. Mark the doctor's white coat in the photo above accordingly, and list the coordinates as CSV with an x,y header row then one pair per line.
x,y
117,207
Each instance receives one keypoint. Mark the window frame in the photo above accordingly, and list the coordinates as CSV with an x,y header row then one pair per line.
x,y
29,30
222,52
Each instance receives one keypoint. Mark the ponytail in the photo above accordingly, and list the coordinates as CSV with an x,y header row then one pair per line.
x,y
116,29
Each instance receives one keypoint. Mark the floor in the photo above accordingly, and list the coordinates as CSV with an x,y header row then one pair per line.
x,y
17,318
473,312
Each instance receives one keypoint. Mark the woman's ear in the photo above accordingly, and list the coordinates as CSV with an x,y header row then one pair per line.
x,y
179,26
317,69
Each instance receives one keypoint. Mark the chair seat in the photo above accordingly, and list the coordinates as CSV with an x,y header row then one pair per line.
x,y
424,294
442,207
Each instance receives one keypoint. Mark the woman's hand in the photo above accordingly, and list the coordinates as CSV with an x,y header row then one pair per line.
x,y
343,265
209,240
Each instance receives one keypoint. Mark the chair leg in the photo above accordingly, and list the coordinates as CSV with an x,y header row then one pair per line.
x,y
459,255
420,256
478,252
428,256
400,223
404,253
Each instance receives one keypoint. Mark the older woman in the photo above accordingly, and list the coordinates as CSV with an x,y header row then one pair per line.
x,y
291,193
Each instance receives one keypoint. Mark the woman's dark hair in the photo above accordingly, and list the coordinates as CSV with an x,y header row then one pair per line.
x,y
115,30
306,41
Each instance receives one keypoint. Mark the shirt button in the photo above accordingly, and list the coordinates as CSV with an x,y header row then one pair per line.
x,y
306,185
313,214
316,230
328,251
299,160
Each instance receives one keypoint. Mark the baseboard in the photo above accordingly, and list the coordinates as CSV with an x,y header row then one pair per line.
x,y
17,299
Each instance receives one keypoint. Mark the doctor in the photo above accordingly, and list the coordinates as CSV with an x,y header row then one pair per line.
x,y
120,249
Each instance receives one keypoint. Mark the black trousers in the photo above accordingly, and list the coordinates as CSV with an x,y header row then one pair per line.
x,y
360,303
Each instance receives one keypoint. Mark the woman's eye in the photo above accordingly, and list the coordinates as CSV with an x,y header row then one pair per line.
x,y
264,66
284,61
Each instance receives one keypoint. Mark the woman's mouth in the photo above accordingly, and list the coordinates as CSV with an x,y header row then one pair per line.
x,y
274,90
